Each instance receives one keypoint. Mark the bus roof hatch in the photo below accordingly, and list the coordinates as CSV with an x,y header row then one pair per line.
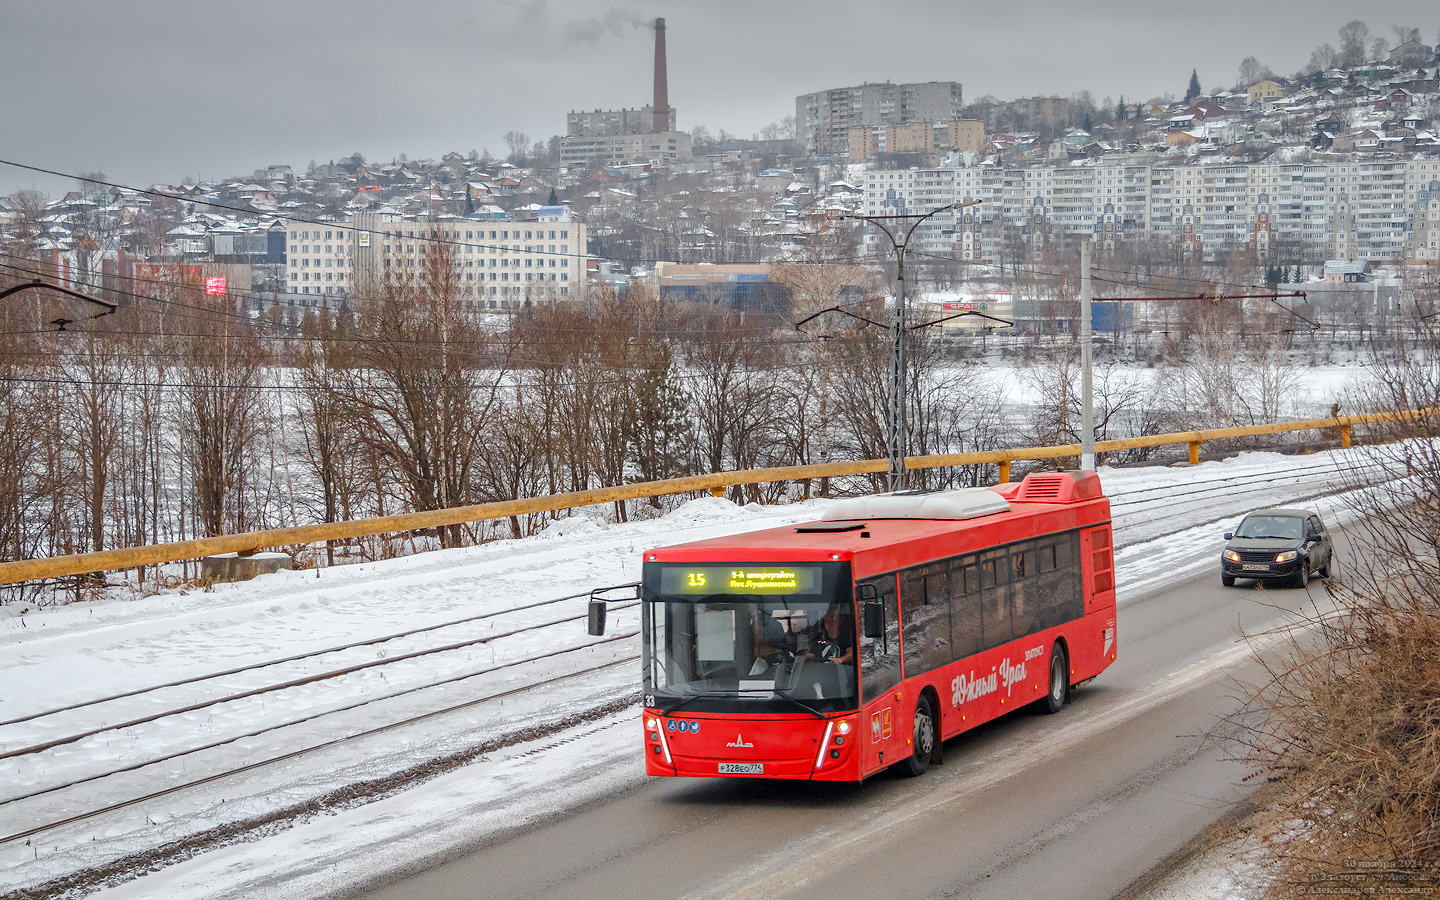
x,y
962,503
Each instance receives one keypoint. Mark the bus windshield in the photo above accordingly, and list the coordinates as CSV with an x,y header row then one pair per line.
x,y
749,638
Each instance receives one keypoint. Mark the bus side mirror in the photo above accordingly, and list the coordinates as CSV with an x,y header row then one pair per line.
x,y
873,613
595,619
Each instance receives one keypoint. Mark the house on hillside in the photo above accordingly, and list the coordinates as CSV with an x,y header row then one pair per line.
x,y
1184,122
1339,271
1409,55
1266,91
774,181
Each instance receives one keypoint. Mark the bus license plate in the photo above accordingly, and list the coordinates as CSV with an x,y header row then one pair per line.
x,y
1249,567
742,768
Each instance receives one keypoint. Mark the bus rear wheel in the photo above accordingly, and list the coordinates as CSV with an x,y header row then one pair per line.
x,y
922,742
1059,691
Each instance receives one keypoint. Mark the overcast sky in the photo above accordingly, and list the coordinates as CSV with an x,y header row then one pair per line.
x,y
154,90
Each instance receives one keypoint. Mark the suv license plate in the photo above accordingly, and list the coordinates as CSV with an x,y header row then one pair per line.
x,y
1255,568
742,768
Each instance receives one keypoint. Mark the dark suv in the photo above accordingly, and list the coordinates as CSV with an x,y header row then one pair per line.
x,y
1284,545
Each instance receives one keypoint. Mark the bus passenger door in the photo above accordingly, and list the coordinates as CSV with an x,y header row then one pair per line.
x,y
884,725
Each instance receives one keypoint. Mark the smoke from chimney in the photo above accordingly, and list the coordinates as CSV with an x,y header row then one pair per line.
x,y
662,89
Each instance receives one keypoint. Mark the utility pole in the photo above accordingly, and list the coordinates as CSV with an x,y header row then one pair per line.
x,y
1087,399
895,439
896,444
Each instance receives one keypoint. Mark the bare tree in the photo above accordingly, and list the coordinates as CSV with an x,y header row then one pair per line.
x,y
1323,58
328,432
1347,718
734,396
660,435
92,423
19,447
1354,43
1252,70
1405,34
425,381
519,144
222,416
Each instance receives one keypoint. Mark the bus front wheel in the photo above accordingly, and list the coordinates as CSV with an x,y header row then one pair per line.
x,y
923,739
1059,681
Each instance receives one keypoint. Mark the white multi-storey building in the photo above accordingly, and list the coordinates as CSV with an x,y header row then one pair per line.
x,y
1326,208
499,263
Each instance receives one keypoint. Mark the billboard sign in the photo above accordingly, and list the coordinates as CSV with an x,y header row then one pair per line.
x,y
215,285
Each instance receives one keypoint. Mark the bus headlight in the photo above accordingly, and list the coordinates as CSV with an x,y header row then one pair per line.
x,y
843,728
652,723
1287,556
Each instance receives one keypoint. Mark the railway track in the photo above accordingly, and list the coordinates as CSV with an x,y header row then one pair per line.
x,y
311,654
96,706
1133,506
1128,504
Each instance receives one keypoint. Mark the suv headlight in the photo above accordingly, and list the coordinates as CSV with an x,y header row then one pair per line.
x,y
1287,556
1231,556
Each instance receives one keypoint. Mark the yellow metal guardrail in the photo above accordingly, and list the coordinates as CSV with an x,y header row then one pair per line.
x,y
23,570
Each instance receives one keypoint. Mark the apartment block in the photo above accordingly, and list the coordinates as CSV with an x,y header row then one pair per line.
x,y
1330,209
823,119
611,122
656,147
916,137
498,263
863,142
967,135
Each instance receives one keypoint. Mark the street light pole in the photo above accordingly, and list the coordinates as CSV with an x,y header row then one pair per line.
x,y
1087,400
895,440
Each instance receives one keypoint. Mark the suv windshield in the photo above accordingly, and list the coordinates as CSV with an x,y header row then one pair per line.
x,y
761,637
1266,526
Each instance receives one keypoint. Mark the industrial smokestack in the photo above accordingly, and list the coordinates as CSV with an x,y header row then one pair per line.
x,y
662,90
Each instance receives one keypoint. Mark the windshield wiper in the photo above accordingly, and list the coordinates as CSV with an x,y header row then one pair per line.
x,y
674,706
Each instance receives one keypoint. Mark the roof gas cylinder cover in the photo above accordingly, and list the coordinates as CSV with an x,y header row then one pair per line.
x,y
962,503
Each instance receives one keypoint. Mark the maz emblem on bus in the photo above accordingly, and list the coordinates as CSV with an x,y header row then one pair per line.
x,y
740,743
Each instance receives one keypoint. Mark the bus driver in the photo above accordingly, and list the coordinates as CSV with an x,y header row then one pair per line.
x,y
833,639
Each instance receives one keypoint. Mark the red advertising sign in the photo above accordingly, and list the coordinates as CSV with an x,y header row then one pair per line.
x,y
215,285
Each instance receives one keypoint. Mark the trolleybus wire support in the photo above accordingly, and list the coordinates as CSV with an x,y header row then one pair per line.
x,y
1087,394
896,442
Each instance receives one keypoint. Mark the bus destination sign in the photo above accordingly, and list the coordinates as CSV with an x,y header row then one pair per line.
x,y
738,579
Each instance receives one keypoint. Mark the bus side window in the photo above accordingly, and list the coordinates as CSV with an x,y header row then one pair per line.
x,y
880,657
1070,594
1024,591
995,597
925,617
966,634
1049,586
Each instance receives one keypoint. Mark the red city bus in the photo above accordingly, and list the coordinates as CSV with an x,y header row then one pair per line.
x,y
834,649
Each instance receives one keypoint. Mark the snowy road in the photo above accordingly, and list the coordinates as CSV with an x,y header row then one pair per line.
x,y
1167,528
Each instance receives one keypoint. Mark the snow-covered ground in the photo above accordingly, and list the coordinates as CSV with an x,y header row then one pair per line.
x,y
1310,396
540,751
